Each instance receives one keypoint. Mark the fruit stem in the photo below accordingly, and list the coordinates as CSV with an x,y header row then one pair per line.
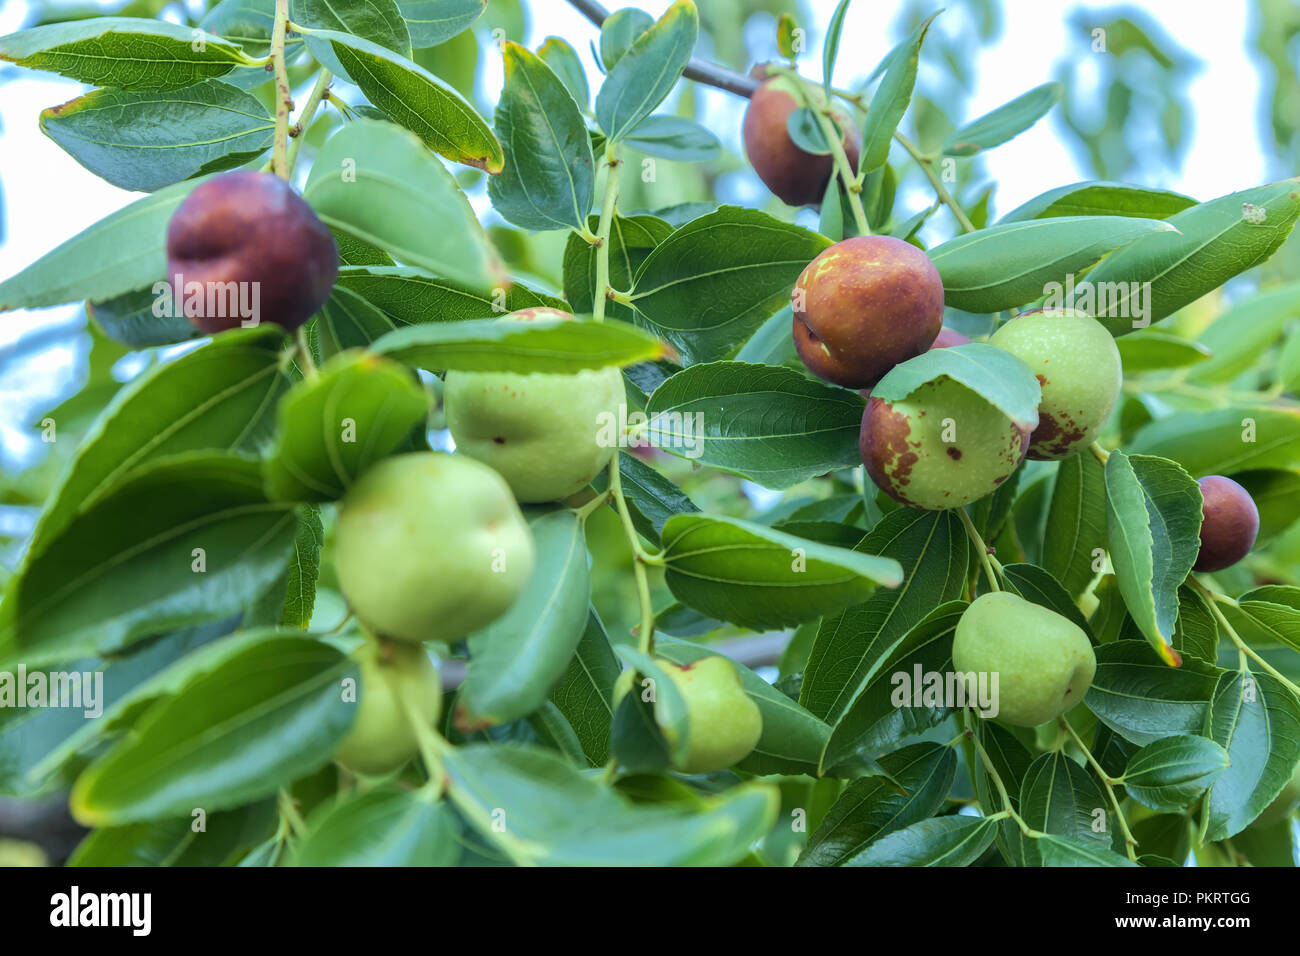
x,y
1101,454
981,548
318,93
646,634
304,352
602,232
428,742
289,812
1214,598
834,139
927,166
1108,782
283,98
988,766
586,511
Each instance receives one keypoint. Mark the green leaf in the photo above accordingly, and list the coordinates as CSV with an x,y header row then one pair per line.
x,y
147,140
1238,338
1216,240
246,22
562,59
123,252
1076,522
1006,122
216,398
769,424
755,576
413,97
1039,587
1143,699
940,841
709,285
550,346
631,239
1222,441
1152,349
1011,264
176,842
792,739
432,22
651,498
335,425
619,31
377,21
377,182
130,320
304,570
123,52
883,712
585,694
1059,797
382,827
1256,719
1170,773
126,566
872,807
261,719
831,48
1261,622
1153,519
930,548
404,296
1055,850
674,138
891,98
518,658
1101,199
645,74
995,375
549,176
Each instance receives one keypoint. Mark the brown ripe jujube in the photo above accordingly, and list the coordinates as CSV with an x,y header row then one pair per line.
x,y
1230,522
864,305
796,177
246,238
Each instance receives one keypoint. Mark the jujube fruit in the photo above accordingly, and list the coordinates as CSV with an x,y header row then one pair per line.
x,y
1229,523
905,449
1077,364
864,305
431,546
541,431
796,177
723,723
382,738
1044,662
246,233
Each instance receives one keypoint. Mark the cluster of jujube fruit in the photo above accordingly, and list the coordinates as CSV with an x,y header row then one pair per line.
x,y
430,546
868,304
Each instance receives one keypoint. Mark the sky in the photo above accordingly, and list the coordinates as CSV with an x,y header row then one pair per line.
x,y
48,197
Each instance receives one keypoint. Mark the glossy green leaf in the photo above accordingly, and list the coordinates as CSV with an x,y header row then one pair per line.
x,y
1153,521
651,498
1143,699
563,60
674,138
377,21
940,841
557,816
647,71
123,52
1012,264
1240,336
1004,123
891,98
552,346
1059,797
631,240
930,547
871,807
147,140
519,657
585,693
549,176
1215,241
377,182
128,565
177,842
1170,773
769,424
1101,199
831,48
619,31
431,22
246,22
710,284
336,424
1223,441
995,375
386,826
1076,522
1152,349
754,576
260,720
